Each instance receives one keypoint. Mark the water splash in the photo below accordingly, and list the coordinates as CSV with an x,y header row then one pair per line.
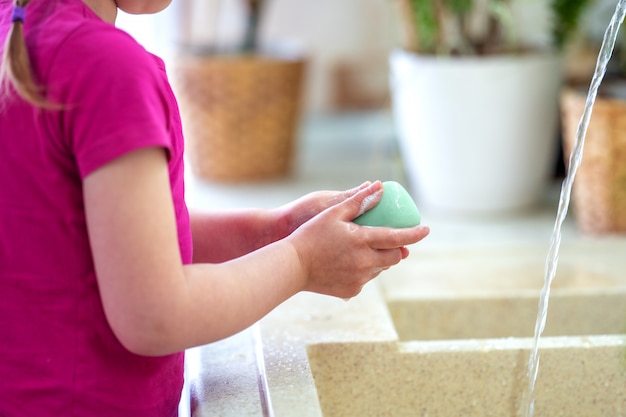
x,y
606,50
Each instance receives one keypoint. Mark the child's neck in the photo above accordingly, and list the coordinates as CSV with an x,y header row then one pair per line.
x,y
106,9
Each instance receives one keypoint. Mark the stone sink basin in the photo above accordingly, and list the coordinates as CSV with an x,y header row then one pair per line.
x,y
449,334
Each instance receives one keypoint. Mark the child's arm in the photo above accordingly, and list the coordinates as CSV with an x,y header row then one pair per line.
x,y
156,306
224,235
242,231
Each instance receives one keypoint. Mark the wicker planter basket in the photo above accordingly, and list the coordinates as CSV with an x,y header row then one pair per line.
x,y
599,194
239,114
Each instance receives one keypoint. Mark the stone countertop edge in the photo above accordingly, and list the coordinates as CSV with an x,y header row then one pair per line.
x,y
308,319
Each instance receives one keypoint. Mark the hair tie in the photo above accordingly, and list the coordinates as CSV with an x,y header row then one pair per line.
x,y
19,14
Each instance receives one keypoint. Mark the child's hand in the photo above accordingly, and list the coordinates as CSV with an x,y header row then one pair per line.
x,y
293,215
340,257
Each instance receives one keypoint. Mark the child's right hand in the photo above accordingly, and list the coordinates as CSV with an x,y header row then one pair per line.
x,y
339,257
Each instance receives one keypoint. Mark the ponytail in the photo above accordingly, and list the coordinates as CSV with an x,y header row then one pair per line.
x,y
16,70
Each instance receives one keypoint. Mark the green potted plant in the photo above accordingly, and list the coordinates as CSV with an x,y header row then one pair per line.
x,y
475,100
239,106
599,195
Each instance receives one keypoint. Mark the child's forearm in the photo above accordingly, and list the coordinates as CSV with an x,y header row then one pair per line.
x,y
225,235
212,301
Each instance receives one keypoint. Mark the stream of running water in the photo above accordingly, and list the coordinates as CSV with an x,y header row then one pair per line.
x,y
606,50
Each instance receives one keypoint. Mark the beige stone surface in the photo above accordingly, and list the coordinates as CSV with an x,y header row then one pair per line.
x,y
579,376
495,293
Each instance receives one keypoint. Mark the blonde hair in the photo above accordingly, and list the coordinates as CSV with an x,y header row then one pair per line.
x,y
16,70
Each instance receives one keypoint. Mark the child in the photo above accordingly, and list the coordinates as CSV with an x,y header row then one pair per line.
x,y
105,278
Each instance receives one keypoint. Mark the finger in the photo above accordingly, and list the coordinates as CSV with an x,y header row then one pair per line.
x,y
388,257
389,238
352,191
365,198
341,196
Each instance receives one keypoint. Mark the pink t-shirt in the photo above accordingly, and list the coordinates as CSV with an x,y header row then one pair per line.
x,y
58,355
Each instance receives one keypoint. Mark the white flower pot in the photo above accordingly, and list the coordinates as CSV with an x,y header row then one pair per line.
x,y
477,134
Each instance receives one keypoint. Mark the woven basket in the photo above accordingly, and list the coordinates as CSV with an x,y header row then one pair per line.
x,y
239,114
599,194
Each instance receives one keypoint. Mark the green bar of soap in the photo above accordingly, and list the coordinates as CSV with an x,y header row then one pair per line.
x,y
395,209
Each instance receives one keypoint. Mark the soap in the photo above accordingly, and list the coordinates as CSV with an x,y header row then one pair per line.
x,y
395,209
